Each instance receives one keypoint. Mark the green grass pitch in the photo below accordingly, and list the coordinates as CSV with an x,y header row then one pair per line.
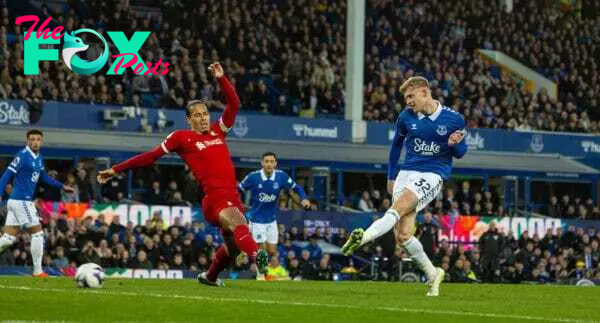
x,y
58,299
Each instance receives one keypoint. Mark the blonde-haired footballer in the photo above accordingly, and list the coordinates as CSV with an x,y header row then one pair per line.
x,y
433,135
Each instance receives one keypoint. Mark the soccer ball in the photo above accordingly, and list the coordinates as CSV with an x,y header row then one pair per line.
x,y
90,275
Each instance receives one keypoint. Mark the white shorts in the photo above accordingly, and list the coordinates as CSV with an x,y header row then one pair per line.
x,y
265,232
426,186
21,214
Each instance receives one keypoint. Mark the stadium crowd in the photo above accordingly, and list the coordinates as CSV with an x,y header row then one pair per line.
x,y
556,257
436,39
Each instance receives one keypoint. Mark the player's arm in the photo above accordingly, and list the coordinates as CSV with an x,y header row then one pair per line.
x,y
456,142
395,150
54,182
245,184
300,196
6,177
231,98
10,171
171,143
140,160
459,149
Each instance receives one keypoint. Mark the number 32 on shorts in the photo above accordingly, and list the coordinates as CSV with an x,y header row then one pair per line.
x,y
423,185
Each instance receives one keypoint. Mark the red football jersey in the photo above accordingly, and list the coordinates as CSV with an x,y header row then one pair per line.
x,y
206,154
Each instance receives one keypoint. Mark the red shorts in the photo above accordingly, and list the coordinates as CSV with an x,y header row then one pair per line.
x,y
214,203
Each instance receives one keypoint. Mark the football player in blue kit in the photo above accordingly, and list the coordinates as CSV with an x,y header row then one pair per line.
x,y
265,186
432,135
27,168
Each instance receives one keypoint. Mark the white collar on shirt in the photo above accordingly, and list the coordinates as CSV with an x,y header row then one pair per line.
x,y
263,176
34,155
435,113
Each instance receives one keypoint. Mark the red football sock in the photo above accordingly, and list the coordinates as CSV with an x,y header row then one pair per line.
x,y
220,262
244,241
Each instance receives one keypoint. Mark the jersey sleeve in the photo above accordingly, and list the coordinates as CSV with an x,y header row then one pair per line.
x,y
227,119
50,180
246,183
460,149
143,159
6,177
15,165
396,146
401,129
172,142
289,183
460,122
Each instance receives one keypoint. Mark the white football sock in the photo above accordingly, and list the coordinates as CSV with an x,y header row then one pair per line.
x,y
415,249
381,226
37,251
6,240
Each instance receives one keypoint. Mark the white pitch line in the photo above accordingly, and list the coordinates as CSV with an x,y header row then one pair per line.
x,y
305,304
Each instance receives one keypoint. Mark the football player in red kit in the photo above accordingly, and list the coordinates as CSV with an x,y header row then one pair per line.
x,y
204,150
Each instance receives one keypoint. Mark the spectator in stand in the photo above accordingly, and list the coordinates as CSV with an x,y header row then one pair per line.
x,y
306,267
491,244
142,261
59,260
84,185
554,209
313,247
155,196
365,204
325,269
566,202
276,271
427,231
464,195
71,197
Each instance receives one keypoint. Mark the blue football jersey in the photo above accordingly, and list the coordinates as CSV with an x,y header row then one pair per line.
x,y
426,140
27,168
265,194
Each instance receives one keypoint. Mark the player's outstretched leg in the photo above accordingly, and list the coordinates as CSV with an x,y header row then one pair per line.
x,y
231,219
353,242
359,237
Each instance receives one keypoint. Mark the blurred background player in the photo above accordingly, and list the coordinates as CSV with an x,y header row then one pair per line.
x,y
434,135
204,150
265,186
27,168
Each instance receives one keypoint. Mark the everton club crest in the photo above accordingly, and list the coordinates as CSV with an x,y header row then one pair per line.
x,y
442,130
